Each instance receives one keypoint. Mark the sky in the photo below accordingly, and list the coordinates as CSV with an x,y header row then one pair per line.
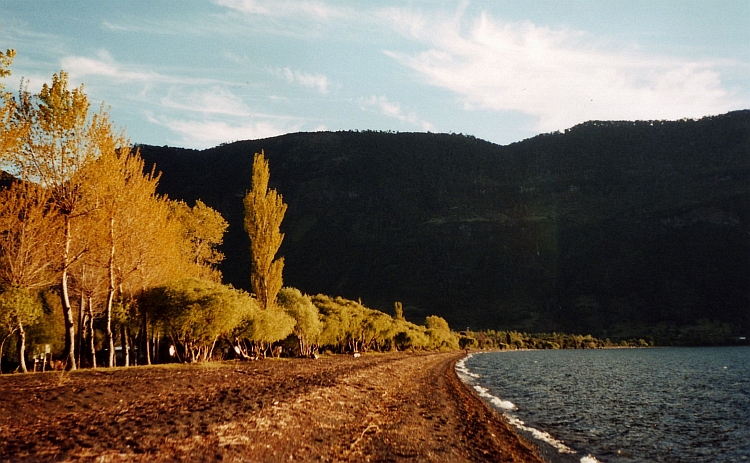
x,y
198,73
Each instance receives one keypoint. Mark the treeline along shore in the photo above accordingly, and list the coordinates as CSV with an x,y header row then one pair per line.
x,y
99,269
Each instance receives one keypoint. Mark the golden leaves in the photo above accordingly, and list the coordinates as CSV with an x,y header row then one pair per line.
x,y
264,212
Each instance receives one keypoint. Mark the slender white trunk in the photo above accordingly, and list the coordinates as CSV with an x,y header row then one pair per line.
x,y
146,339
92,335
70,333
125,345
81,321
111,293
22,347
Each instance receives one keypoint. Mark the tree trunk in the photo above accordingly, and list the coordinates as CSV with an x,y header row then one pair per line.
x,y
156,346
111,293
22,347
70,332
92,335
133,348
146,345
124,345
83,334
79,340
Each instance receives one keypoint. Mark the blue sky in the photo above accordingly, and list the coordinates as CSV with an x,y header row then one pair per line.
x,y
196,73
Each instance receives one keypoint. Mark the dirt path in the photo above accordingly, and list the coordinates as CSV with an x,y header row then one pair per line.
x,y
391,407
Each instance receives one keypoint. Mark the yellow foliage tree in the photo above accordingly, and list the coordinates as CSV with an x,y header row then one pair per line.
x,y
264,211
60,141
11,128
203,230
123,195
28,230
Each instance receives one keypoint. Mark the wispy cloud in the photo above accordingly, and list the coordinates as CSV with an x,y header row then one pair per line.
x,y
216,100
207,133
381,105
199,112
562,77
121,27
316,81
278,8
104,65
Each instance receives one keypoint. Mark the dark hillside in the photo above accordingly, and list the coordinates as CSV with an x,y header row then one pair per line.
x,y
6,179
609,224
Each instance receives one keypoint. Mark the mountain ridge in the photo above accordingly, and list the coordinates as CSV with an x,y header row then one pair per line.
x,y
605,224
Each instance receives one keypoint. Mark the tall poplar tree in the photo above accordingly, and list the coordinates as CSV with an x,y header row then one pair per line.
x,y
264,211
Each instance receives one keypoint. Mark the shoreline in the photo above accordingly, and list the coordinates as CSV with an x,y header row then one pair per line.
x,y
378,407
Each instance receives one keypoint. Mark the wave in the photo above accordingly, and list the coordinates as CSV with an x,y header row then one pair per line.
x,y
494,400
462,371
506,406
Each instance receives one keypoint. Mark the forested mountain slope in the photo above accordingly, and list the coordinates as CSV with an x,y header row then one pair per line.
x,y
608,227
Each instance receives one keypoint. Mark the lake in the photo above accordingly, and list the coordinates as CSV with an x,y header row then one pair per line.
x,y
622,405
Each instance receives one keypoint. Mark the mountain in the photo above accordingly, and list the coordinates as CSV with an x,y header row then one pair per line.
x,y
607,227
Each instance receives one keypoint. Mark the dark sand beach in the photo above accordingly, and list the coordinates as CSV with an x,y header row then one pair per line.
x,y
379,407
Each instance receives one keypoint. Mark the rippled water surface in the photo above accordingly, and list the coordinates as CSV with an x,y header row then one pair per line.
x,y
626,405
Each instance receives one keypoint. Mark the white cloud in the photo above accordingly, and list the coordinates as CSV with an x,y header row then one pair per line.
x,y
216,100
562,77
278,8
317,82
104,65
209,133
200,113
381,105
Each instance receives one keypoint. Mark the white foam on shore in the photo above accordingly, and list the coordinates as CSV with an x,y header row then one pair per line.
x,y
494,400
540,435
463,371
507,406
589,459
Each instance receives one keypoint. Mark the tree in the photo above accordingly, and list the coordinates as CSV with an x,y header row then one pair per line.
x,y
203,231
123,196
90,281
264,211
307,326
18,308
157,253
398,309
440,333
11,129
260,328
28,232
378,330
196,313
61,140
5,61
338,322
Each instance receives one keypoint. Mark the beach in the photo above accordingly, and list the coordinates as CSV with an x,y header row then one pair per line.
x,y
377,407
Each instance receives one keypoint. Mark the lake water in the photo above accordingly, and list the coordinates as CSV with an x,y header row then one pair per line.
x,y
623,405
